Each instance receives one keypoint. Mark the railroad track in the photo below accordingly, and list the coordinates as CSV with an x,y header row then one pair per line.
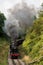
x,y
15,61
18,62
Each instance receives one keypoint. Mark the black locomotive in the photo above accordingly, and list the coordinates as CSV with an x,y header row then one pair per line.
x,y
14,53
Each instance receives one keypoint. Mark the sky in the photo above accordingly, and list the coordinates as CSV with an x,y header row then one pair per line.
x,y
6,4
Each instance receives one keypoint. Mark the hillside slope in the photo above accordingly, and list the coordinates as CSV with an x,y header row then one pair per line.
x,y
33,44
3,51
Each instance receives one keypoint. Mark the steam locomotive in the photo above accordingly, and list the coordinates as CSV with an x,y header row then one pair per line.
x,y
14,53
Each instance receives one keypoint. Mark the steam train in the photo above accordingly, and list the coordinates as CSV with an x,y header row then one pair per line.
x,y
14,53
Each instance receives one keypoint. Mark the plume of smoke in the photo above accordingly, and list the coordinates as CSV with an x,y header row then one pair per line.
x,y
20,18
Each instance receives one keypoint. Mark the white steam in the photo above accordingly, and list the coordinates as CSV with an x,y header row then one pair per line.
x,y
20,18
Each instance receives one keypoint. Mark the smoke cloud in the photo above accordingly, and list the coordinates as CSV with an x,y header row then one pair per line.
x,y
20,18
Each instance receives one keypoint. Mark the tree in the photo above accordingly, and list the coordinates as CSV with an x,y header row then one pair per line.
x,y
2,18
41,11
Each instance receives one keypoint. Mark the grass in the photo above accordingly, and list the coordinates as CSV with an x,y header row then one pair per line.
x,y
3,51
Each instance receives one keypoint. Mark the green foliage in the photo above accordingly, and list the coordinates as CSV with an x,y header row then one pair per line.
x,y
41,11
3,42
2,18
33,43
3,51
